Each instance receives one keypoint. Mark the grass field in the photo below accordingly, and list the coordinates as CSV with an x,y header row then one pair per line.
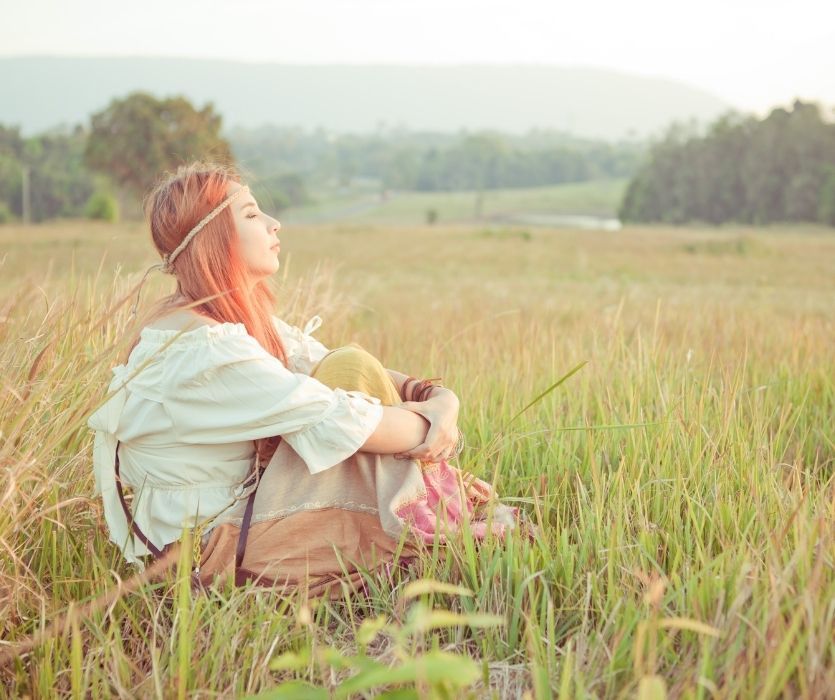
x,y
364,205
682,479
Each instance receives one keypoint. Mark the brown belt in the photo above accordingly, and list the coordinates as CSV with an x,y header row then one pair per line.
x,y
241,575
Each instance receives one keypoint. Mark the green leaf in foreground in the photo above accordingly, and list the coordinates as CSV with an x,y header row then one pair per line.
x,y
425,585
549,389
436,667
292,690
291,661
422,618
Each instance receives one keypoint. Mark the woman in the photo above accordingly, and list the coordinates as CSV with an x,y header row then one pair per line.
x,y
295,463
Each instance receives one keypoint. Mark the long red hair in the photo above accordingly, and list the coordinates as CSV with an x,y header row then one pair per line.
x,y
211,265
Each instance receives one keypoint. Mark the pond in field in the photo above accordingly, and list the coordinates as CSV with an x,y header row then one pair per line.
x,y
565,221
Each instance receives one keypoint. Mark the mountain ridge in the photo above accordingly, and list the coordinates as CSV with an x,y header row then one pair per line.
x,y
586,101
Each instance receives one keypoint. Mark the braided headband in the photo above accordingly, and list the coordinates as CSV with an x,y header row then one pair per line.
x,y
167,264
168,260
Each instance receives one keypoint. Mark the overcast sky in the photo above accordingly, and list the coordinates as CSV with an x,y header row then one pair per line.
x,y
753,53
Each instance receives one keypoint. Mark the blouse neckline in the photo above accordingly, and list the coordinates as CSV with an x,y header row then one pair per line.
x,y
202,332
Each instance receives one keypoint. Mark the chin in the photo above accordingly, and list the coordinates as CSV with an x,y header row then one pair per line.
x,y
265,273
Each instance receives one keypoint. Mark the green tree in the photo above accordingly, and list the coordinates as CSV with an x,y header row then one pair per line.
x,y
281,191
742,169
138,137
103,206
826,199
59,184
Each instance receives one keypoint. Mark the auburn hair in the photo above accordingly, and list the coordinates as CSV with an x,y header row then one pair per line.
x,y
211,265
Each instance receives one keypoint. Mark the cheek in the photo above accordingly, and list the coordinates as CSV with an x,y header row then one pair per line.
x,y
250,243
255,246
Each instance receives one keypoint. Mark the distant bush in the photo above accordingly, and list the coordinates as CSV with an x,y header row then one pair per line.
x,y
103,206
505,233
431,216
743,246
6,215
826,201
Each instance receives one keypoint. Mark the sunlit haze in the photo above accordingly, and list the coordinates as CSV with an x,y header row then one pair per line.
x,y
752,54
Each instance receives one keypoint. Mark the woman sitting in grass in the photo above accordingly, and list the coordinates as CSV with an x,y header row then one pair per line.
x,y
297,465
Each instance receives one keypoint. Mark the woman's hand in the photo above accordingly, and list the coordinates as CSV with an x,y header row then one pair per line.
x,y
441,411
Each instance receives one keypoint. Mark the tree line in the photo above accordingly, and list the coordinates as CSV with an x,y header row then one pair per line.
x,y
743,169
756,171
431,161
104,166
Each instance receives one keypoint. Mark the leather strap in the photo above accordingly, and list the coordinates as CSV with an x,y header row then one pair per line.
x,y
243,575
155,551
240,576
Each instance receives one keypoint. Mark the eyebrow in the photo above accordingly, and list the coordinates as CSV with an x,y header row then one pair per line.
x,y
248,204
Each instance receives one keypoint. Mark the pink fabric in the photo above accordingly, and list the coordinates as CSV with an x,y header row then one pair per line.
x,y
453,496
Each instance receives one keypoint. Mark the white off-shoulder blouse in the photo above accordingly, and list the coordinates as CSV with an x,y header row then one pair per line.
x,y
187,409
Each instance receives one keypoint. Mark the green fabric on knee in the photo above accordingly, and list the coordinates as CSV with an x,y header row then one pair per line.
x,y
352,367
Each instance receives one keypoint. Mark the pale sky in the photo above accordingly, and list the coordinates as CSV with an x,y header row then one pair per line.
x,y
753,53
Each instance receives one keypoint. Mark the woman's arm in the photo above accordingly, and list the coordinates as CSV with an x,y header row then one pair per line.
x,y
398,378
440,409
400,430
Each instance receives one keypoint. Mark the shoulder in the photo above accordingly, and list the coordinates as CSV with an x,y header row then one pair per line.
x,y
181,320
166,360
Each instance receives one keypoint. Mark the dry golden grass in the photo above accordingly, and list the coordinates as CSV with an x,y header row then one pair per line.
x,y
682,478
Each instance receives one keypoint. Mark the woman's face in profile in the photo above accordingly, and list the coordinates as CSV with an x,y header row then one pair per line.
x,y
257,232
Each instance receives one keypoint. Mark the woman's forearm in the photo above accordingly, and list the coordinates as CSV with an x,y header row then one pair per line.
x,y
398,378
400,430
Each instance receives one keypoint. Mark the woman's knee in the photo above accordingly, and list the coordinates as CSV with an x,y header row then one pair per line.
x,y
352,354
347,363
352,367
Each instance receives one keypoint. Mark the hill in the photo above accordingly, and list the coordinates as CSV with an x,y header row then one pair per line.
x,y
40,92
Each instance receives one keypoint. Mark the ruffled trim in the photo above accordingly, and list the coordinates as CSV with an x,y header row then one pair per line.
x,y
196,336
344,427
303,350
164,354
105,421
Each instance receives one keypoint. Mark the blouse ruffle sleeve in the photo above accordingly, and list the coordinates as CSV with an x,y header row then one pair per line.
x,y
239,391
104,421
